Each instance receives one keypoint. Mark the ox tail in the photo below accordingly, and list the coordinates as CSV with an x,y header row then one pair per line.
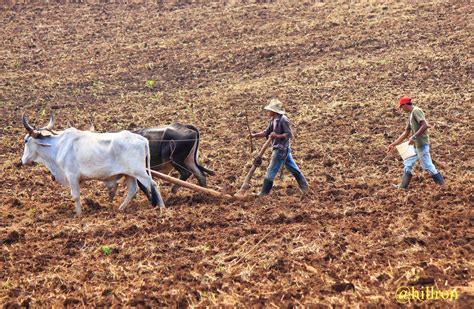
x,y
148,163
206,170
144,189
202,168
155,197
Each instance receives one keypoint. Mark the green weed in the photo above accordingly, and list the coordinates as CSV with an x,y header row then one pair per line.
x,y
150,83
106,250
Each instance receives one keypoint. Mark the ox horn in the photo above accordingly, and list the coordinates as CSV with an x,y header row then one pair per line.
x,y
91,122
51,122
27,126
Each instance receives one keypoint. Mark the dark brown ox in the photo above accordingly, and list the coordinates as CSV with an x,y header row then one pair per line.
x,y
176,146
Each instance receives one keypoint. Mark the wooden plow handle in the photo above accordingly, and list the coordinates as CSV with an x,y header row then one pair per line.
x,y
246,185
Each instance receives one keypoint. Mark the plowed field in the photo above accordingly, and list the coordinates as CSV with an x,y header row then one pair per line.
x,y
338,67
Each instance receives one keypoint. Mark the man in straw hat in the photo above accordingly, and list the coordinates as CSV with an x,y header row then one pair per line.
x,y
418,127
279,129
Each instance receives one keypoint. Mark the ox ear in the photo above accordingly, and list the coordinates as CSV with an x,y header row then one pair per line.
x,y
45,133
41,143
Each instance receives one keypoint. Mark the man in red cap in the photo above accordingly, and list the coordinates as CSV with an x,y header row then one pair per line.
x,y
417,125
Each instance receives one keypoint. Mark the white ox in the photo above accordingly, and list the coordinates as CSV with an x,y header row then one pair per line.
x,y
73,156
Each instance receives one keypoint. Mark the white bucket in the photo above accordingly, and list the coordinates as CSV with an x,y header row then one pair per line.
x,y
405,150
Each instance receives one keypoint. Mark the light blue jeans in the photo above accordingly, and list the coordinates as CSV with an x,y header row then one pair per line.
x,y
278,158
422,154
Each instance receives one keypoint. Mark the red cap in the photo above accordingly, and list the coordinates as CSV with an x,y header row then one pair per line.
x,y
404,100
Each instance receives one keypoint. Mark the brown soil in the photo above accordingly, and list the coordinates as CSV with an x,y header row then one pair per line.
x,y
338,68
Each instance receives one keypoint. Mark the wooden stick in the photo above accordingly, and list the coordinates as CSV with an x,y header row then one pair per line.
x,y
246,184
250,132
189,185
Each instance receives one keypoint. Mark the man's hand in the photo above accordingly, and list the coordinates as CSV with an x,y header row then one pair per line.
x,y
273,135
254,134
257,162
411,141
390,148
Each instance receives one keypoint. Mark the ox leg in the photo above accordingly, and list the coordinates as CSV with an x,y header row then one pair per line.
x,y
132,189
191,164
183,175
76,195
198,174
112,187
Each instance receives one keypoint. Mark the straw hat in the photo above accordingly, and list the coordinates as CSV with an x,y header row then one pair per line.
x,y
275,106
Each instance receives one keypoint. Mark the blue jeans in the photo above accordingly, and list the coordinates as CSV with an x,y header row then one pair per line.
x,y
422,154
279,157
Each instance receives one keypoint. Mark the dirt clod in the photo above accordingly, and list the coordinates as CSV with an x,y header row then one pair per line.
x,y
11,238
344,286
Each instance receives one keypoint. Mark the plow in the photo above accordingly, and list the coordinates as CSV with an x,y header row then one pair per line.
x,y
241,194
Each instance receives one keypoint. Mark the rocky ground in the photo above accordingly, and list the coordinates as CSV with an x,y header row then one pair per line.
x,y
339,68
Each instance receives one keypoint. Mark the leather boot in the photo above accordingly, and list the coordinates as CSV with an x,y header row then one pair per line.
x,y
266,187
438,179
405,181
